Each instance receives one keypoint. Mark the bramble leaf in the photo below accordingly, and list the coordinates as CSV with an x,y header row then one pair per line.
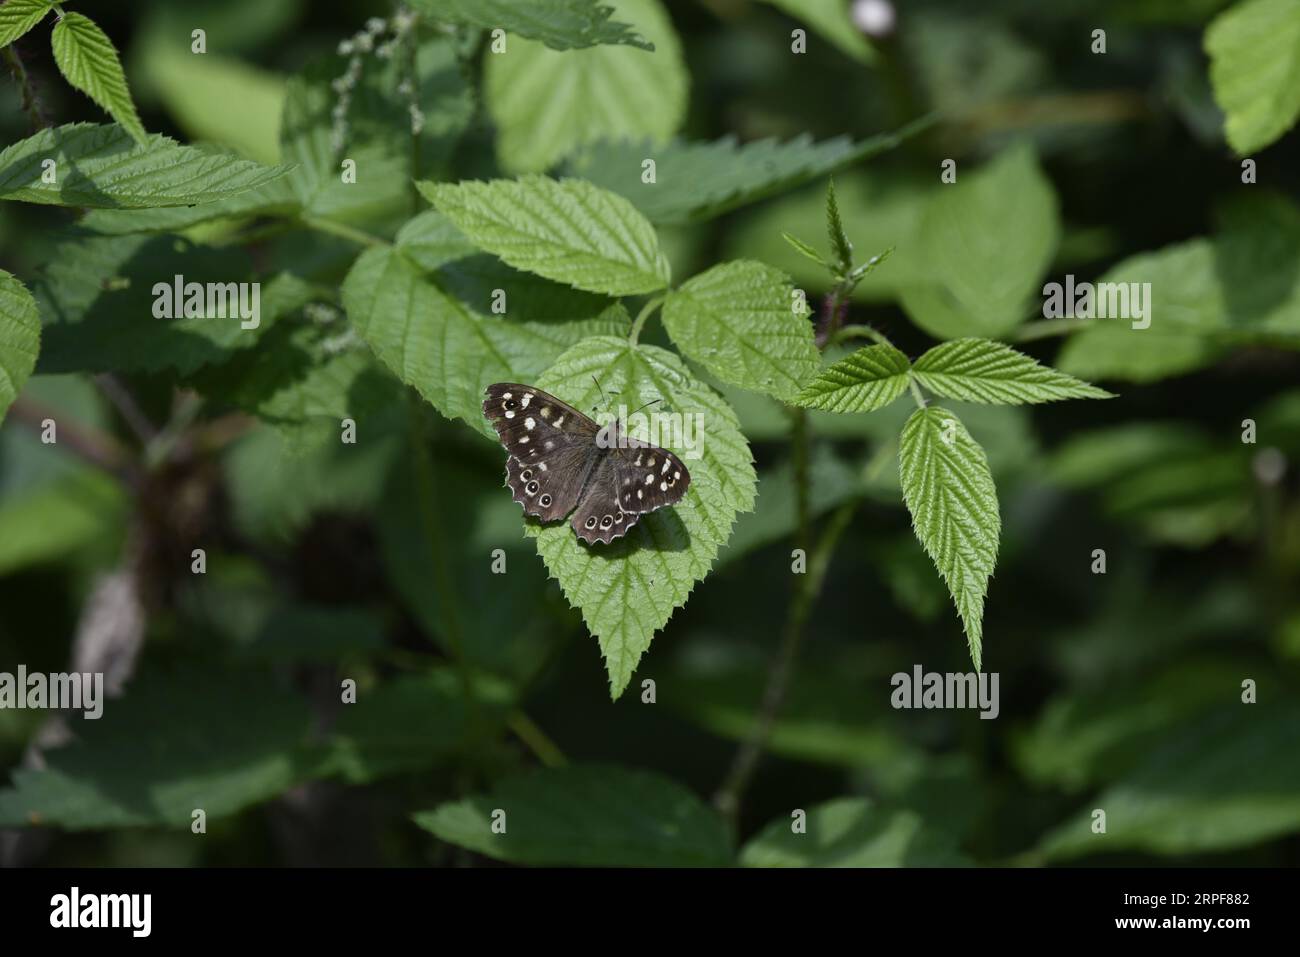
x,y
87,58
1254,50
866,380
566,230
628,590
560,24
949,491
19,16
101,167
742,321
20,338
979,370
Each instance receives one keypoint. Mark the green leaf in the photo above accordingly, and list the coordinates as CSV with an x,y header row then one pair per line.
x,y
831,19
949,491
629,589
436,332
412,722
101,167
852,832
869,379
699,181
977,370
1215,784
20,338
547,103
230,740
97,301
566,230
986,241
743,323
840,244
1254,50
61,516
591,815
275,198
806,250
431,240
88,60
560,24
19,16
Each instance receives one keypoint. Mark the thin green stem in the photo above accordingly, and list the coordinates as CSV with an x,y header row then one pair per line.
x,y
651,305
916,392
543,748
342,230
860,332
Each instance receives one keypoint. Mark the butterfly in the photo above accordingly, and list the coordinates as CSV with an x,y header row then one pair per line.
x,y
561,461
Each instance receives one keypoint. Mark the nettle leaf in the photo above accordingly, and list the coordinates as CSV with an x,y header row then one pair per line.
x,y
19,16
1254,50
560,24
20,338
547,103
743,322
87,58
853,832
949,490
451,348
699,181
627,590
102,167
830,18
592,815
566,230
978,370
869,379
985,240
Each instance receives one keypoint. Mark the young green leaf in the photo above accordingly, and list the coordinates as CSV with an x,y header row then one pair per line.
x,y
449,350
566,230
273,198
19,16
1254,50
985,241
101,167
949,491
744,323
805,250
88,59
20,338
543,103
699,181
560,24
869,379
627,590
979,370
587,815
840,244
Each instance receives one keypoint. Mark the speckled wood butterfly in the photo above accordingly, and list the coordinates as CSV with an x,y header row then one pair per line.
x,y
561,461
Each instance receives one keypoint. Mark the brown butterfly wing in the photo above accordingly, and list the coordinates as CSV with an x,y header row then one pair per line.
x,y
648,477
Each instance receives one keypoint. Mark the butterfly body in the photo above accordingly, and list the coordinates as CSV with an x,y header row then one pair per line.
x,y
561,462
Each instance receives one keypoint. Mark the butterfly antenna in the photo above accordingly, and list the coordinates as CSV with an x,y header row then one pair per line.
x,y
646,406
603,396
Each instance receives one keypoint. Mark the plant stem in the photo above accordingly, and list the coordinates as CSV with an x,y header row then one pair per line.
x,y
860,332
97,448
728,797
916,392
31,104
343,230
537,740
651,305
